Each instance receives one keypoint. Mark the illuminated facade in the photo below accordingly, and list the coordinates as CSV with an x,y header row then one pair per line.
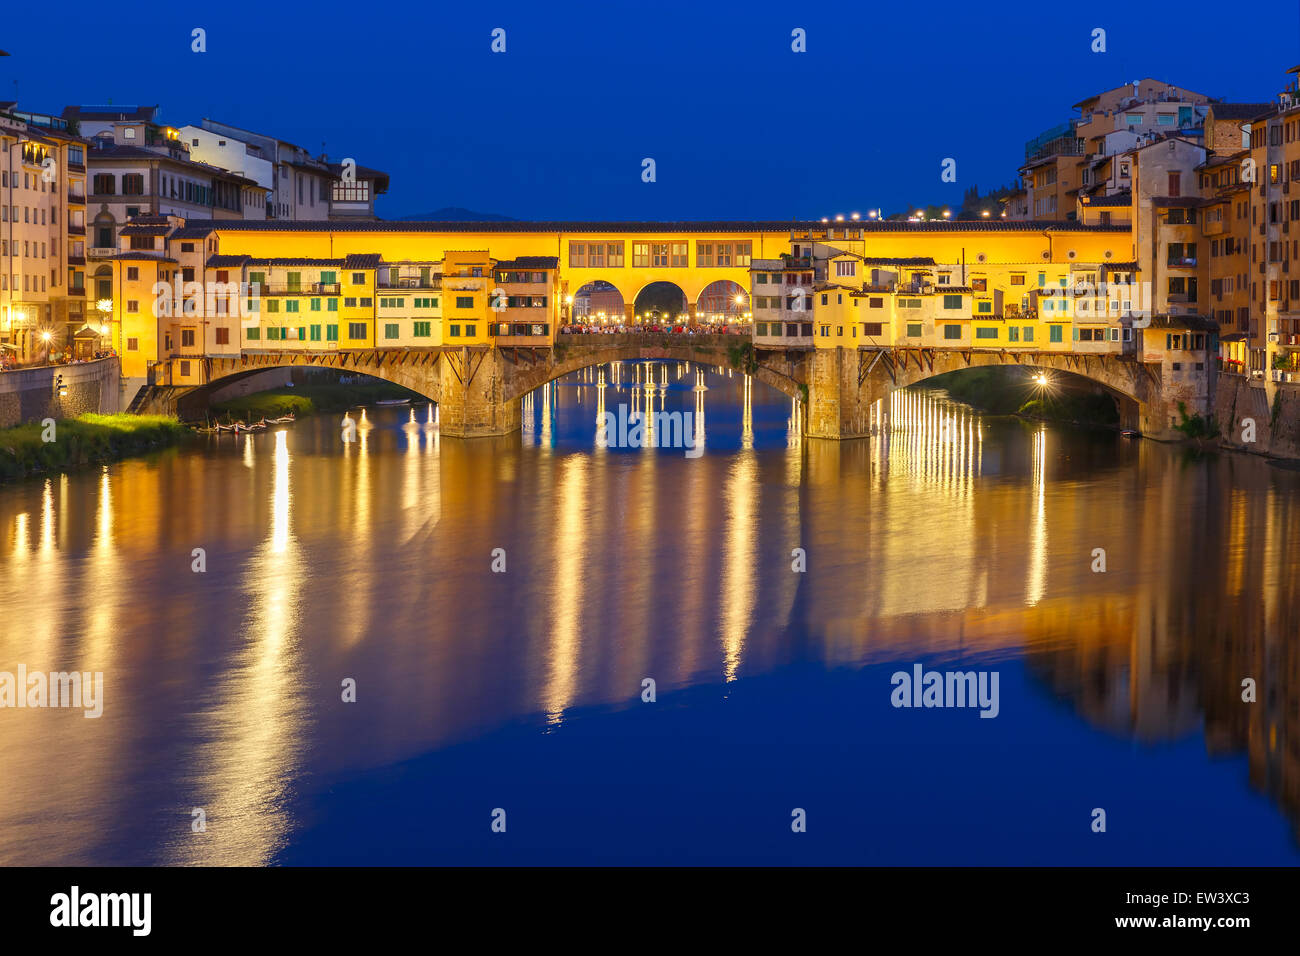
x,y
42,234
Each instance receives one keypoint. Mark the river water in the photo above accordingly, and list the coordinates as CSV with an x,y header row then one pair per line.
x,y
770,588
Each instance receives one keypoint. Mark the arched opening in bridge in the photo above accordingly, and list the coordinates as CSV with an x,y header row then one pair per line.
x,y
1035,392
685,386
598,303
723,302
661,303
303,390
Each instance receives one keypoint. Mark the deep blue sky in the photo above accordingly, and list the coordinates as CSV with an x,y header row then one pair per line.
x,y
739,126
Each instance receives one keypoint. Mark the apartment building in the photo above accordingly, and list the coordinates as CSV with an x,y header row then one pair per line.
x,y
1275,238
139,167
299,186
42,238
858,301
526,301
1076,158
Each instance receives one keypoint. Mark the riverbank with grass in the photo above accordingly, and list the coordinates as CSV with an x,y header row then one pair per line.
x,y
997,390
82,441
304,400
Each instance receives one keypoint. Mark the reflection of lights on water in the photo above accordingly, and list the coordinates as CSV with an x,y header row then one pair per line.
x,y
1037,582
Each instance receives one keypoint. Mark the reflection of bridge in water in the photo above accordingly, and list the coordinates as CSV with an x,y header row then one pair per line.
x,y
943,538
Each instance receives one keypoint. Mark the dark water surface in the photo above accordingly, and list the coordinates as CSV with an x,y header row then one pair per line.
x,y
952,541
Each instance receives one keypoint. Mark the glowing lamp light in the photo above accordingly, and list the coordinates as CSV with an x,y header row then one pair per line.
x,y
1040,379
946,214
985,213
855,217
740,298
45,337
839,217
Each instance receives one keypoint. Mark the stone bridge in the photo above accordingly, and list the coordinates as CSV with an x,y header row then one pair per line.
x,y
478,388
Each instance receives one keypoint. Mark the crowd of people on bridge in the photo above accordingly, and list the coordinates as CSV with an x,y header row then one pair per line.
x,y
703,328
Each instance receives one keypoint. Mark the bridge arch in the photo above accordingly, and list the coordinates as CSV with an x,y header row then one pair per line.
x,y
665,297
722,300
417,371
577,352
882,371
596,300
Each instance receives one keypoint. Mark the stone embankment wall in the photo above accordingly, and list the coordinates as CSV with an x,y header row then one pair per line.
x,y
1240,402
29,395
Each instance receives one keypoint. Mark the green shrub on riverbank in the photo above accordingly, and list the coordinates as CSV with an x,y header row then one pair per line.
x,y
305,399
84,440
1086,408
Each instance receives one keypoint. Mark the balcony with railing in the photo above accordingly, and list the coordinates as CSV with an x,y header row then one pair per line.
x,y
409,283
77,198
310,288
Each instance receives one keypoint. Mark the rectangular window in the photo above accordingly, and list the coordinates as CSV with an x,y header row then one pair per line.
x,y
1029,333
469,329
331,305
454,330
331,333
986,333
703,254
356,330
679,255
291,305
314,305
315,333
577,255
952,331
187,338
846,268
952,302
1013,334
464,302
423,330
614,255
252,334
390,330
1054,333
640,255
913,330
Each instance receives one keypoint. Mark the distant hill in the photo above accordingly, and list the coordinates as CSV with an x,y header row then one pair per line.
x,y
455,214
